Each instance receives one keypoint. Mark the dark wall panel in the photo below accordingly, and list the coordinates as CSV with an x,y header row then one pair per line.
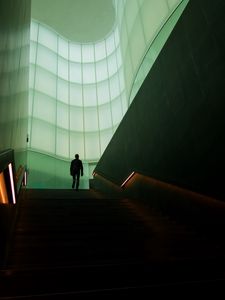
x,y
174,128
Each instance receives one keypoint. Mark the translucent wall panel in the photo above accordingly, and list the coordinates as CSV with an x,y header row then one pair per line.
x,y
156,11
33,49
79,92
76,119
124,102
62,142
91,119
175,9
44,108
45,82
131,12
100,51
75,94
62,90
75,52
138,39
117,111
34,31
50,172
76,144
105,137
114,86
139,24
116,37
172,3
121,80
75,74
43,136
89,95
88,73
112,64
31,76
92,145
47,38
63,68
88,53
105,118
62,115
63,48
118,58
103,92
30,106
46,59
101,70
110,44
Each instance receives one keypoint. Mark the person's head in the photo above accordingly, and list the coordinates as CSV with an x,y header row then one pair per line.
x,y
76,156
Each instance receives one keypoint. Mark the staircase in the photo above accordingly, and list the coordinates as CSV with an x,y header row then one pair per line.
x,y
69,244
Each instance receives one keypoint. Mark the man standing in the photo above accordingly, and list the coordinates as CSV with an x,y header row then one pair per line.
x,y
76,169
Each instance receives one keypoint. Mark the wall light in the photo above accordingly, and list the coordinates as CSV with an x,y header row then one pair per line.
x,y
25,178
128,178
12,183
3,193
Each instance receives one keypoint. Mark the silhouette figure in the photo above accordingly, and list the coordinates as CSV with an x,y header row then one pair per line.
x,y
76,169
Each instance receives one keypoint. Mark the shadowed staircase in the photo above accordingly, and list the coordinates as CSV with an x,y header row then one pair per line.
x,y
69,243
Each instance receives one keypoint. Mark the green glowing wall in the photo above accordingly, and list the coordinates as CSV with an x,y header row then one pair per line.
x,y
14,70
80,87
140,22
79,92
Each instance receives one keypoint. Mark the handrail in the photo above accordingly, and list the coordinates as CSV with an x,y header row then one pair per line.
x,y
163,185
7,171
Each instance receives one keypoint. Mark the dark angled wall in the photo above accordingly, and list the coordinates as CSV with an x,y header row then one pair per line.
x,y
174,129
14,74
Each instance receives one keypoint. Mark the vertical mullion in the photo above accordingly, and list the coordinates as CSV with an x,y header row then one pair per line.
x,y
129,54
110,95
96,89
117,65
56,92
82,92
69,82
34,84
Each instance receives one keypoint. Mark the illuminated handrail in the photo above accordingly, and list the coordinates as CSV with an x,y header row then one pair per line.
x,y
8,183
127,179
123,184
181,191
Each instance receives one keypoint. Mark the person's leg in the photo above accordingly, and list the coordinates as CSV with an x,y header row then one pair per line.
x,y
77,181
74,180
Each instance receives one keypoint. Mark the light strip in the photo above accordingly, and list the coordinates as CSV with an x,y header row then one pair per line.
x,y
128,178
12,183
3,192
24,181
25,178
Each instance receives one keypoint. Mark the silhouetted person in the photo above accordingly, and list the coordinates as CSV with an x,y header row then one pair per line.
x,y
76,169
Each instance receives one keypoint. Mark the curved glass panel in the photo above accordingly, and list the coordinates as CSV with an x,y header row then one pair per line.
x,y
69,82
79,93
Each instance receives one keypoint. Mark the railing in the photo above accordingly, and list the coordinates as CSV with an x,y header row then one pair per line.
x,y
10,180
183,204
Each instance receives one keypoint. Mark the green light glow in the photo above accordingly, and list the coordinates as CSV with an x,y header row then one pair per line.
x,y
79,93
